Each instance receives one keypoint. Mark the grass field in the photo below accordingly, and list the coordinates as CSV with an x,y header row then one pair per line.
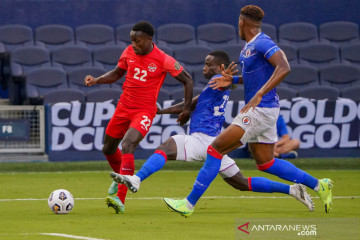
x,y
24,213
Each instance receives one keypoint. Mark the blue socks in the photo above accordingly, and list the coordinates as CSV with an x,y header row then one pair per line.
x,y
154,163
206,175
261,184
288,171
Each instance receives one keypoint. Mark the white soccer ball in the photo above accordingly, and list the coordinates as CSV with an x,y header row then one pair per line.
x,y
61,201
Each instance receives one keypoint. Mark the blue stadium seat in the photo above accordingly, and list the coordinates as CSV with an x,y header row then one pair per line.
x,y
95,35
43,80
351,92
319,54
178,94
340,75
285,93
176,35
64,95
269,30
234,51
104,94
192,57
54,35
163,96
339,32
215,35
108,56
298,33
168,50
170,83
16,35
351,54
290,51
123,34
319,92
237,94
72,57
301,76
76,78
198,77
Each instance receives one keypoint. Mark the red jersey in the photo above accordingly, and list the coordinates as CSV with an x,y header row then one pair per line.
x,y
145,76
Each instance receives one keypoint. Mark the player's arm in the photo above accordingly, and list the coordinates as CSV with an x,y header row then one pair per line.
x,y
282,68
109,77
228,77
185,78
178,108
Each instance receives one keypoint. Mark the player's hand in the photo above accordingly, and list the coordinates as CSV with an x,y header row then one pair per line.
x,y
226,79
158,110
89,80
252,103
183,117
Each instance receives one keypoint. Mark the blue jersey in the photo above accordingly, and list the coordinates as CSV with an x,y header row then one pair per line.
x,y
208,116
281,127
256,69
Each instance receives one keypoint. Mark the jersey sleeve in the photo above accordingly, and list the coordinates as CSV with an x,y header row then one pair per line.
x,y
267,47
281,127
122,61
172,66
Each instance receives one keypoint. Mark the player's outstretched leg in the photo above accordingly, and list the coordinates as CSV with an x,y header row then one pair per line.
x,y
131,182
113,188
115,203
290,172
181,206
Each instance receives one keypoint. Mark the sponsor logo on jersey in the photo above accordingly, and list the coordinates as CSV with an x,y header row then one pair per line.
x,y
152,67
177,66
246,120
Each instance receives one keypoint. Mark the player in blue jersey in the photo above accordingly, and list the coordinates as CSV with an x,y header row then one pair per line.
x,y
206,123
264,66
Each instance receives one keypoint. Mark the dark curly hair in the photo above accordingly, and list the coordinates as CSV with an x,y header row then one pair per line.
x,y
221,57
145,27
252,12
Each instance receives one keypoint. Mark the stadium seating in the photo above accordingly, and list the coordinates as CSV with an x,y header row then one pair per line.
x,y
339,32
102,95
43,80
176,35
64,95
319,92
301,76
340,75
351,54
16,35
179,93
167,50
269,30
298,33
351,92
72,57
95,35
123,34
163,95
234,51
170,83
54,35
108,56
76,78
290,51
319,54
237,94
215,35
199,79
285,93
192,57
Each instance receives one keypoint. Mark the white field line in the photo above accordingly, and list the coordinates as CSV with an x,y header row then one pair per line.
x,y
154,198
70,236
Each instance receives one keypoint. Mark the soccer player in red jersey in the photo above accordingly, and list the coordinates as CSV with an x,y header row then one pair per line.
x,y
146,67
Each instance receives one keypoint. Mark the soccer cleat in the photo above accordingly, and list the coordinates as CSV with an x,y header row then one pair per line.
x,y
179,206
291,154
115,203
113,188
325,193
303,196
131,182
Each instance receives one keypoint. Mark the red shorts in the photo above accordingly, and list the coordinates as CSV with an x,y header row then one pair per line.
x,y
125,118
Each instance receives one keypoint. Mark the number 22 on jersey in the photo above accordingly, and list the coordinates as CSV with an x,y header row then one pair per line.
x,y
140,74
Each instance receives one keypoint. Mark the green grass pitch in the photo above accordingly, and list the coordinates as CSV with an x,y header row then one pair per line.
x,y
146,216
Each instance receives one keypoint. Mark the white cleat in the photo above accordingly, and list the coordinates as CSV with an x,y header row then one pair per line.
x,y
131,182
300,193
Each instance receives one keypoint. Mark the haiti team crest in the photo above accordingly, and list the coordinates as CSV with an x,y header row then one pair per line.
x,y
246,120
152,67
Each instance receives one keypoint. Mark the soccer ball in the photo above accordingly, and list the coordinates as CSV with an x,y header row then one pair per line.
x,y
61,201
